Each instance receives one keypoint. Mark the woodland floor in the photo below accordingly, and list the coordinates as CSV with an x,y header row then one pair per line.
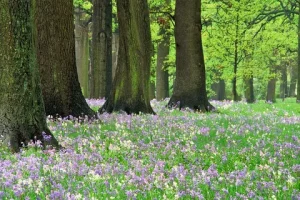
x,y
240,152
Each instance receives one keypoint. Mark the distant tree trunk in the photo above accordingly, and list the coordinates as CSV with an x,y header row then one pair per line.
x,y
162,74
219,89
82,53
249,91
218,86
293,75
235,65
283,83
130,91
56,59
298,82
22,114
215,88
222,91
271,97
115,52
190,86
102,49
152,74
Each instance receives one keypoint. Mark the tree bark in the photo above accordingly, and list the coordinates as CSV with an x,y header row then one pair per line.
x,y
130,91
115,52
82,53
222,91
293,83
56,59
283,83
102,49
271,97
162,75
298,82
152,91
163,48
249,91
190,86
219,89
22,114
235,66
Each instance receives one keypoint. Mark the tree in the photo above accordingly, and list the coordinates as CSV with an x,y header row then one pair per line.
x,y
56,59
130,91
249,90
190,86
101,49
283,82
115,51
162,74
219,90
282,8
82,49
227,40
271,97
293,75
22,114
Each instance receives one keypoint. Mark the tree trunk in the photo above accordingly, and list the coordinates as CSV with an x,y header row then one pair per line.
x,y
283,83
298,82
115,52
222,91
130,91
102,49
271,97
249,91
235,66
215,88
82,53
22,114
162,74
56,59
293,75
190,86
152,91
219,89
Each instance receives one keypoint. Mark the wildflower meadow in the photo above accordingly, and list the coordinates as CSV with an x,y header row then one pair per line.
x,y
240,151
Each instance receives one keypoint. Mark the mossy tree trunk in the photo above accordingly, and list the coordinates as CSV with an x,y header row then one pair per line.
x,y
22,114
101,49
130,91
56,59
82,51
190,86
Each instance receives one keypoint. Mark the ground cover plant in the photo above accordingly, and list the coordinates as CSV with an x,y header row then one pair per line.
x,y
240,152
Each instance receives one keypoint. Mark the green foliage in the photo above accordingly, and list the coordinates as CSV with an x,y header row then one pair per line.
x,y
260,46
83,4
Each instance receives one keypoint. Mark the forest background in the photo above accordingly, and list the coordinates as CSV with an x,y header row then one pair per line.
x,y
250,48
